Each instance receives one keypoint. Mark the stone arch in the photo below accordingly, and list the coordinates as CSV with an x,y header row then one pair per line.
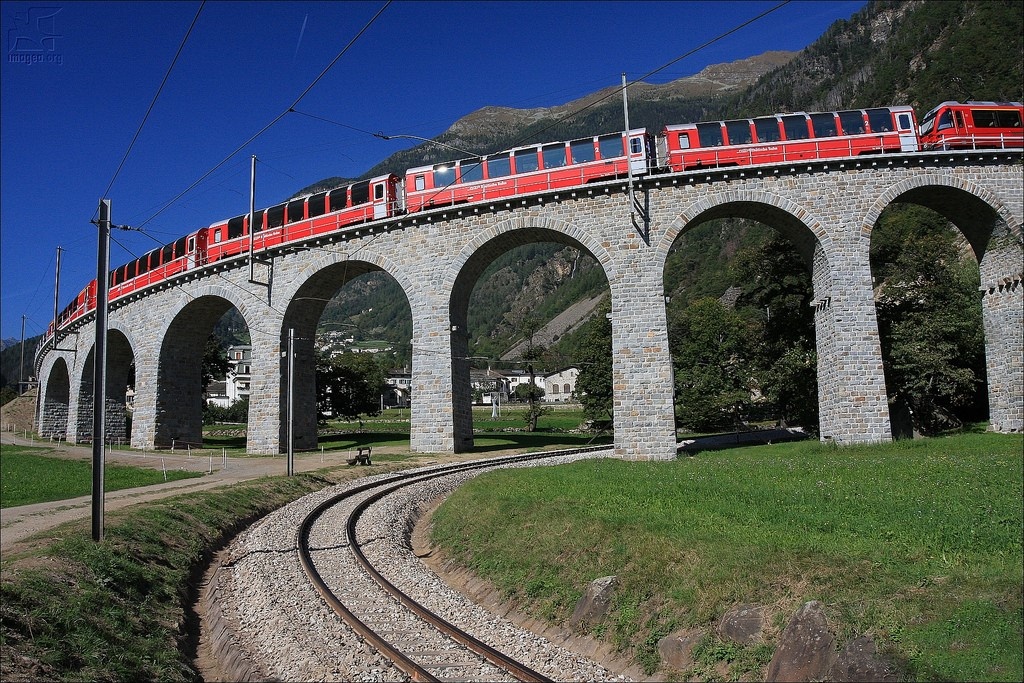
x,y
457,283
515,231
53,411
984,220
182,341
119,359
306,304
794,221
995,236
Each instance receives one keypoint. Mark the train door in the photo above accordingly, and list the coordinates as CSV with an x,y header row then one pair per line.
x,y
380,198
639,150
907,130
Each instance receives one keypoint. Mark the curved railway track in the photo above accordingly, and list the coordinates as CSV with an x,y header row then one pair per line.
x,y
446,652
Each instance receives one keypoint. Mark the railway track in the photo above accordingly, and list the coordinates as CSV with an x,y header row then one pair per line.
x,y
353,580
267,620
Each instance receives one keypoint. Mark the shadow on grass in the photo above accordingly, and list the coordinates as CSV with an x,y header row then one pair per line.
x,y
484,442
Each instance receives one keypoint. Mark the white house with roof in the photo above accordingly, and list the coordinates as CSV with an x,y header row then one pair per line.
x,y
559,386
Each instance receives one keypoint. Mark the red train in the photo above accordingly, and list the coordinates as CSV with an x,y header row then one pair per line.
x,y
779,138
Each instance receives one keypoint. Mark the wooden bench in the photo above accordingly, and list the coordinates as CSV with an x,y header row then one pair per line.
x,y
362,456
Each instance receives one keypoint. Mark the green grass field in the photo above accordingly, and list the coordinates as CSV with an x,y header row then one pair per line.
x,y
29,476
917,543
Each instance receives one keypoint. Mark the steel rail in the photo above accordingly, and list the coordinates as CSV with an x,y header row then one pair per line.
x,y
404,663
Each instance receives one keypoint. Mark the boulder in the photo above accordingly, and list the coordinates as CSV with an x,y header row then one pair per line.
x,y
743,624
595,602
806,649
860,661
676,649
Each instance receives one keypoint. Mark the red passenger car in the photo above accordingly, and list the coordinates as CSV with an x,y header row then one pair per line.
x,y
523,170
973,125
306,217
788,137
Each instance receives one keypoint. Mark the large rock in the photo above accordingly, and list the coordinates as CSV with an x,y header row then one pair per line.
x,y
806,649
743,624
860,661
595,602
676,649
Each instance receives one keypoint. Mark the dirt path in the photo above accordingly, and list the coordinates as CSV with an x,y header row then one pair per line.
x,y
20,522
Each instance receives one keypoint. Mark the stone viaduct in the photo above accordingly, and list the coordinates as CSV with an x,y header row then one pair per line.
x,y
826,208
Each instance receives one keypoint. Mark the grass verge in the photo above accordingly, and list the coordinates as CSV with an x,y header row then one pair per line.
x,y
29,476
75,610
917,543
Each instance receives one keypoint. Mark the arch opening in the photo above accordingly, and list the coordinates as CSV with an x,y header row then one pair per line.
x,y
740,282
939,258
351,325
520,306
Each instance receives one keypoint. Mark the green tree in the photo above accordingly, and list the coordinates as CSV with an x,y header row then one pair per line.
x,y
594,357
777,288
711,351
215,361
929,317
349,385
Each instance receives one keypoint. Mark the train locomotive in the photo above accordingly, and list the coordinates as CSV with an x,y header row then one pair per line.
x,y
779,138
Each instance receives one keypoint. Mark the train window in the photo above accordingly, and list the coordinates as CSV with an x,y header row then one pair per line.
x,y
316,204
179,247
903,122
526,161
610,146
1008,119
296,210
339,198
378,191
444,175
168,253
636,146
683,141
852,122
739,132
767,129
710,134
131,269
361,193
499,166
235,228
945,120
795,127
419,183
880,120
582,151
191,245
217,236
257,220
824,125
275,216
471,170
554,155
992,118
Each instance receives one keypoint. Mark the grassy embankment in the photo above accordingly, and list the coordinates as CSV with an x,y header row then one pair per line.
x,y
917,543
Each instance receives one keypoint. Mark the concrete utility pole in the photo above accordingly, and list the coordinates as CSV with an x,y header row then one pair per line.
x,y
99,389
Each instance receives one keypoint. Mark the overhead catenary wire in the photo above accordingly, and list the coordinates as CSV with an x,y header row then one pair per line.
x,y
276,119
152,104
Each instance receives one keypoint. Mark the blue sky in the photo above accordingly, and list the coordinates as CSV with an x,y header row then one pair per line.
x,y
78,77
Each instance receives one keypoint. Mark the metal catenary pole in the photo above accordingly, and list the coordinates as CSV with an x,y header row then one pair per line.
x,y
99,391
